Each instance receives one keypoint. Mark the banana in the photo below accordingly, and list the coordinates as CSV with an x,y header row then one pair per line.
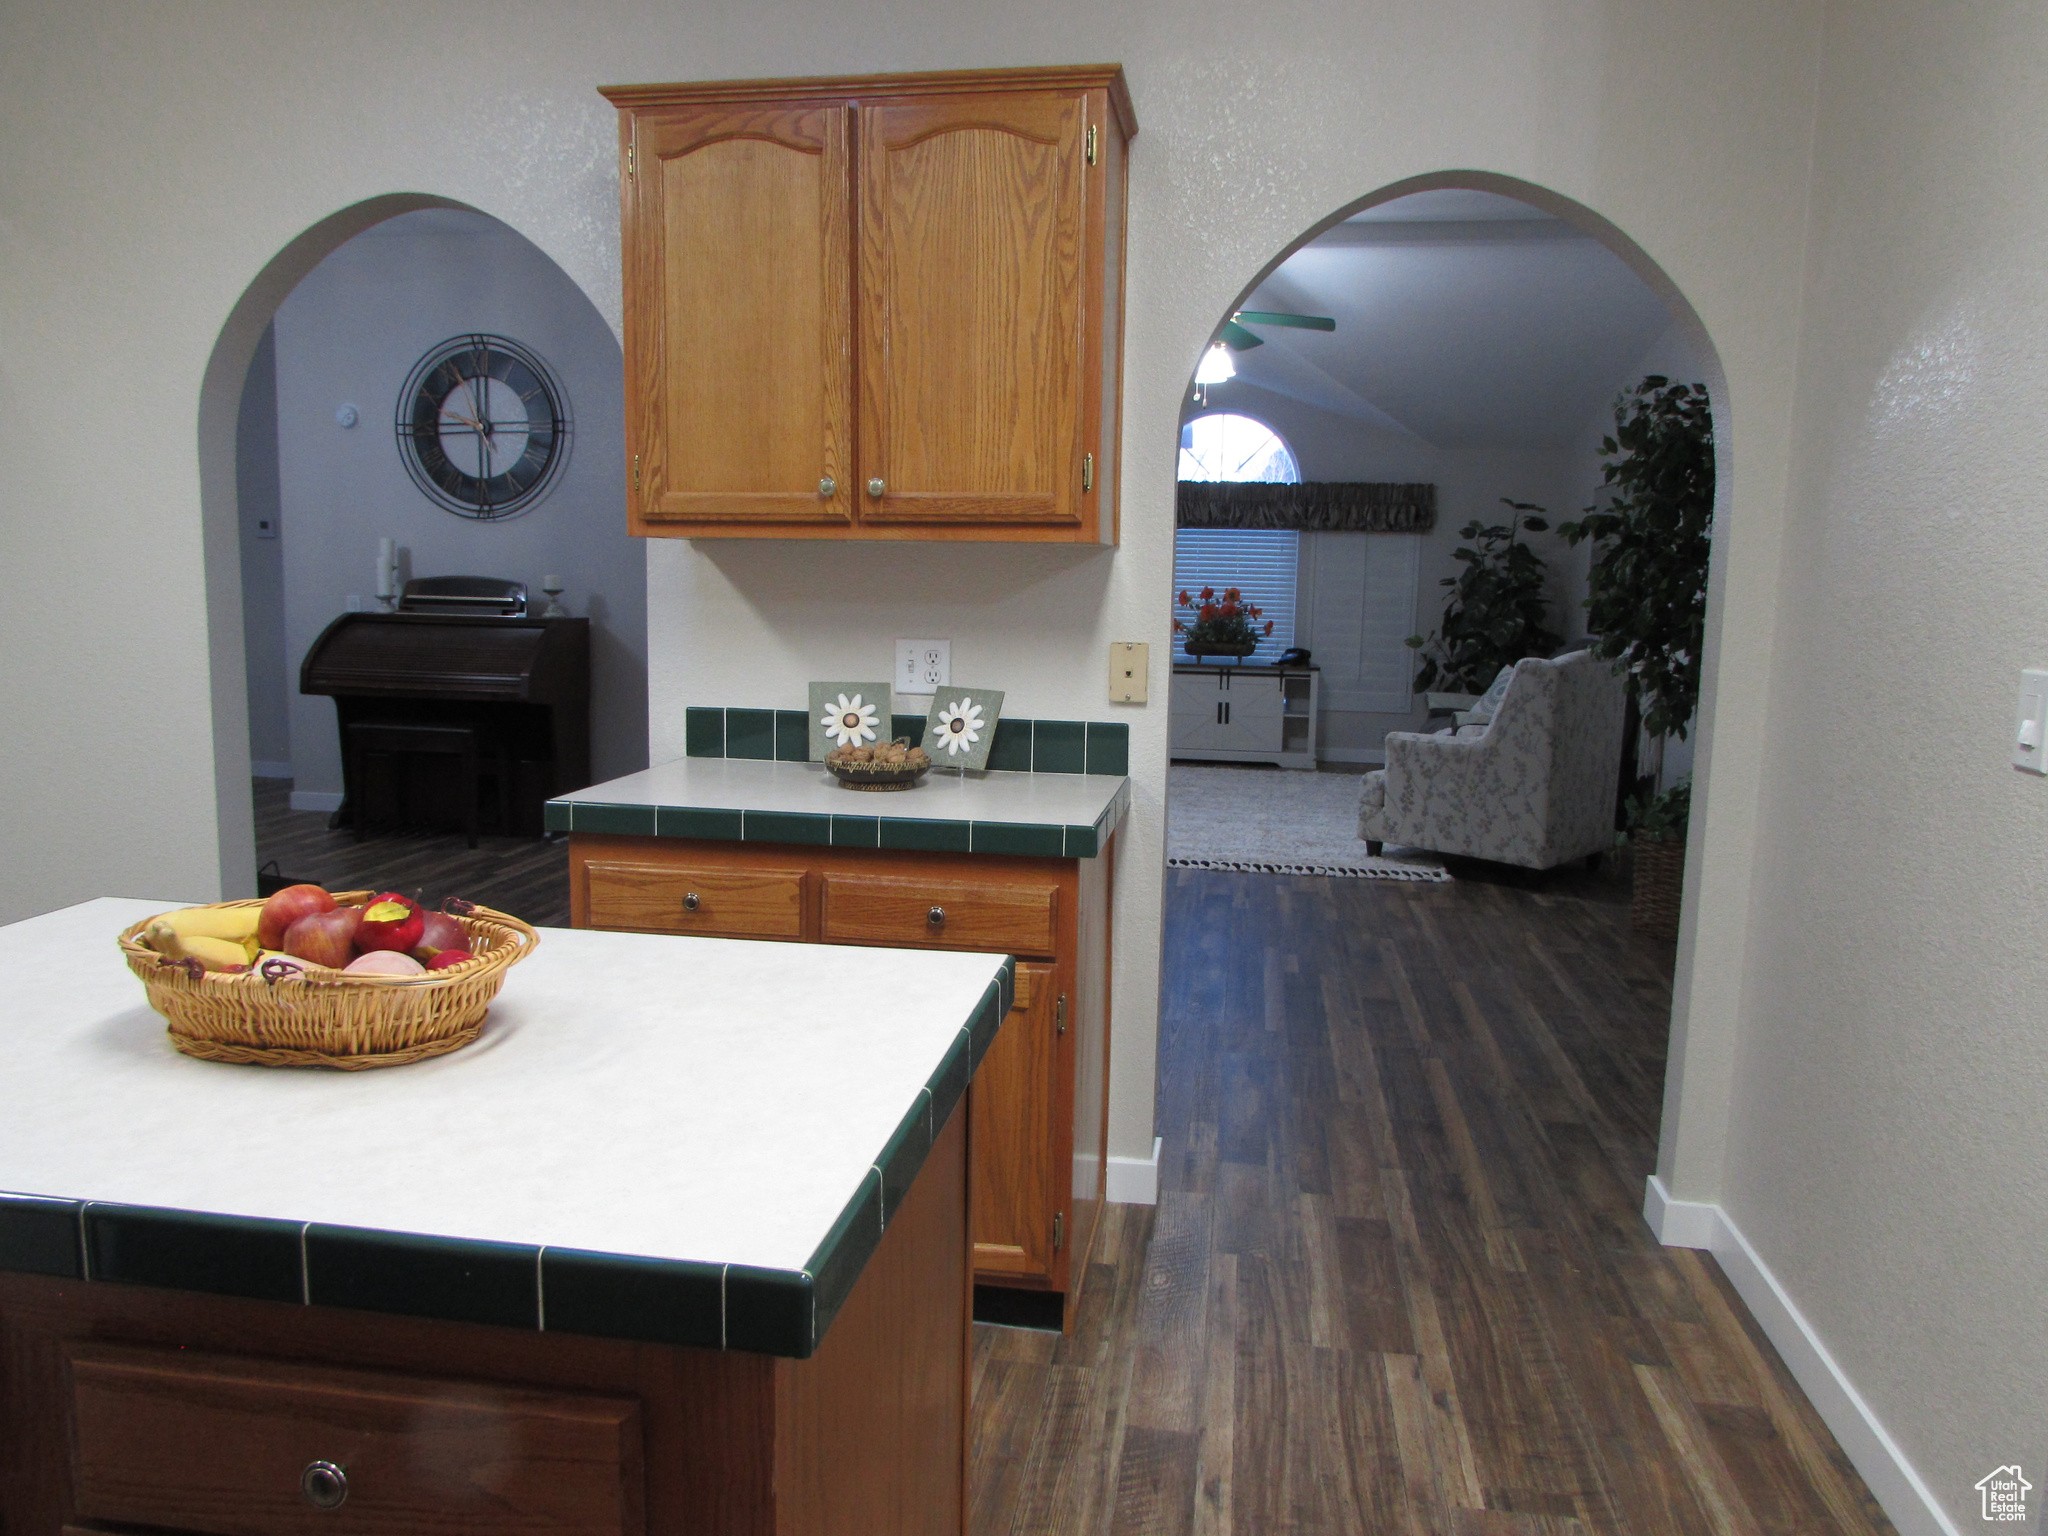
x,y
215,954
237,924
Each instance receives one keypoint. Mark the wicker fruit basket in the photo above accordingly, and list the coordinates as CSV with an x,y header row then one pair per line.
x,y
877,775
326,1019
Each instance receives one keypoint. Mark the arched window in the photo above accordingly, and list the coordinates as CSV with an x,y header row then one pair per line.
x,y
1226,446
1261,561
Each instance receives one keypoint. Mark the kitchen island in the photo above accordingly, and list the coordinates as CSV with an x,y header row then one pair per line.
x,y
679,1244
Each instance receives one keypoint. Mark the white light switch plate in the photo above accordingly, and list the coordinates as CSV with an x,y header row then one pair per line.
x,y
1130,665
2030,733
923,666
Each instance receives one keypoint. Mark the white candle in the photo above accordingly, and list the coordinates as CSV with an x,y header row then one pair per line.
x,y
387,567
552,584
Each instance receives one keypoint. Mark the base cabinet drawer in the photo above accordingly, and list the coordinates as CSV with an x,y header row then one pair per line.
x,y
941,914
719,903
235,1447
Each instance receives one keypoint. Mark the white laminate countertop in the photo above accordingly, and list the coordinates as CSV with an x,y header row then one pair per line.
x,y
673,799
712,1100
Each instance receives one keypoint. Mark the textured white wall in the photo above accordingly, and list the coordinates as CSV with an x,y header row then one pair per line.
x,y
1888,1152
161,158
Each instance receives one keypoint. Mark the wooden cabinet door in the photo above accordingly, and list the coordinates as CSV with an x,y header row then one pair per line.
x,y
738,298
971,313
1018,1178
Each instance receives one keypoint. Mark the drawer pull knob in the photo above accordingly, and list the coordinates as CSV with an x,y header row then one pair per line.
x,y
936,917
877,485
324,1484
828,487
691,902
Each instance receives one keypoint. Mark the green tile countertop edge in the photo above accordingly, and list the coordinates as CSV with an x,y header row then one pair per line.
x,y
513,1285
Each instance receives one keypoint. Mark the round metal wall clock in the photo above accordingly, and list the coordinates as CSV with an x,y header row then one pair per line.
x,y
483,426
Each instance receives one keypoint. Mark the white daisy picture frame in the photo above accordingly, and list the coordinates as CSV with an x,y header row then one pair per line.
x,y
962,726
850,714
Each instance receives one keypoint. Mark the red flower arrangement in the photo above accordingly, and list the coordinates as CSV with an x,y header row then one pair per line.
x,y
1222,620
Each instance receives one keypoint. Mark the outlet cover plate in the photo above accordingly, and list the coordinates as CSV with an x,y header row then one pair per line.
x,y
923,666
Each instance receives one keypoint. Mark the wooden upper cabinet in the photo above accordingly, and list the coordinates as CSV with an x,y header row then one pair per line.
x,y
738,331
885,307
970,308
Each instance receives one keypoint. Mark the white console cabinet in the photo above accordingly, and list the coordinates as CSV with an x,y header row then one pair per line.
x,y
1244,714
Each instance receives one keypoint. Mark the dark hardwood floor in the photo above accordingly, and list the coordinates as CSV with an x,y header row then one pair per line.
x,y
1397,1280
526,876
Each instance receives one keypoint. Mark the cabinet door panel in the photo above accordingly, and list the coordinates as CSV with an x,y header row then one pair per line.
x,y
1017,1176
738,315
971,225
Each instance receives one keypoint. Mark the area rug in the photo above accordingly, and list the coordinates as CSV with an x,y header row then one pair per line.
x,y
1278,821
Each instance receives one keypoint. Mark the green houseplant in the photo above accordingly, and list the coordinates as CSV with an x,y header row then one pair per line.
x,y
1647,589
1494,615
1647,604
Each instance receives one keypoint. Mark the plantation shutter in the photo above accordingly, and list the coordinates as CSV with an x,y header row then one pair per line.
x,y
1261,563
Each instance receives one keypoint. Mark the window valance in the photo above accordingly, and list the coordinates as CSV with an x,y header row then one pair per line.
x,y
1319,506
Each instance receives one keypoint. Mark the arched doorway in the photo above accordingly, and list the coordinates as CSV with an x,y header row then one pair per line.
x,y
334,323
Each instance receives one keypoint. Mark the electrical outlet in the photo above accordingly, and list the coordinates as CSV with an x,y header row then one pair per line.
x,y
923,666
1130,666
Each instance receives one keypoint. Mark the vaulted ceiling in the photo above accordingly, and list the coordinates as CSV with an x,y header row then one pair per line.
x,y
1465,318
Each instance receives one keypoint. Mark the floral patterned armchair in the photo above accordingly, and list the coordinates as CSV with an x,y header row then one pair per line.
x,y
1534,787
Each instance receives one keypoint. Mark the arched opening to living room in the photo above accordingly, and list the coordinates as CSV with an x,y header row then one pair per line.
x,y
322,498
1397,1272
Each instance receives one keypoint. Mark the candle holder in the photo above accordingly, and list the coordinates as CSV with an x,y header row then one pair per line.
x,y
553,586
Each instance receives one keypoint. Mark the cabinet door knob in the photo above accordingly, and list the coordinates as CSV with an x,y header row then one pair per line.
x,y
828,486
876,486
936,917
324,1484
690,902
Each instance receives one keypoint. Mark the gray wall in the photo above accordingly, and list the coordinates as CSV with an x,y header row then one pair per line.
x,y
349,334
256,489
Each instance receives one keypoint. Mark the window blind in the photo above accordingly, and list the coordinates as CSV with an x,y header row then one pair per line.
x,y
1261,563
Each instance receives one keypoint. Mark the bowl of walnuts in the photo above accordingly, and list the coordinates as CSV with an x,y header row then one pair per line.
x,y
890,765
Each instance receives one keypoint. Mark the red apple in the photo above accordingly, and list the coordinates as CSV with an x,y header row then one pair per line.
x,y
325,938
444,958
390,921
441,932
286,907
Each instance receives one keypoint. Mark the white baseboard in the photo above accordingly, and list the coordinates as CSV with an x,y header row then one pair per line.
x,y
1864,1440
315,800
1371,757
264,770
1134,1180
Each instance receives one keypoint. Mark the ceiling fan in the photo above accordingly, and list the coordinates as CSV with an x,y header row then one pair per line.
x,y
1231,336
1232,332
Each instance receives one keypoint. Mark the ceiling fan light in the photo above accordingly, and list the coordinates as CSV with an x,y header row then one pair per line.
x,y
1216,366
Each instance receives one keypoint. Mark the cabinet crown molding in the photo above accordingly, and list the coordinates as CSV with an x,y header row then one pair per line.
x,y
1109,77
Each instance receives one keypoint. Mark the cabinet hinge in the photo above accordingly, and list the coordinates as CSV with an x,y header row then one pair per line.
x,y
1087,471
1059,1015
636,471
1090,139
1059,1230
632,161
